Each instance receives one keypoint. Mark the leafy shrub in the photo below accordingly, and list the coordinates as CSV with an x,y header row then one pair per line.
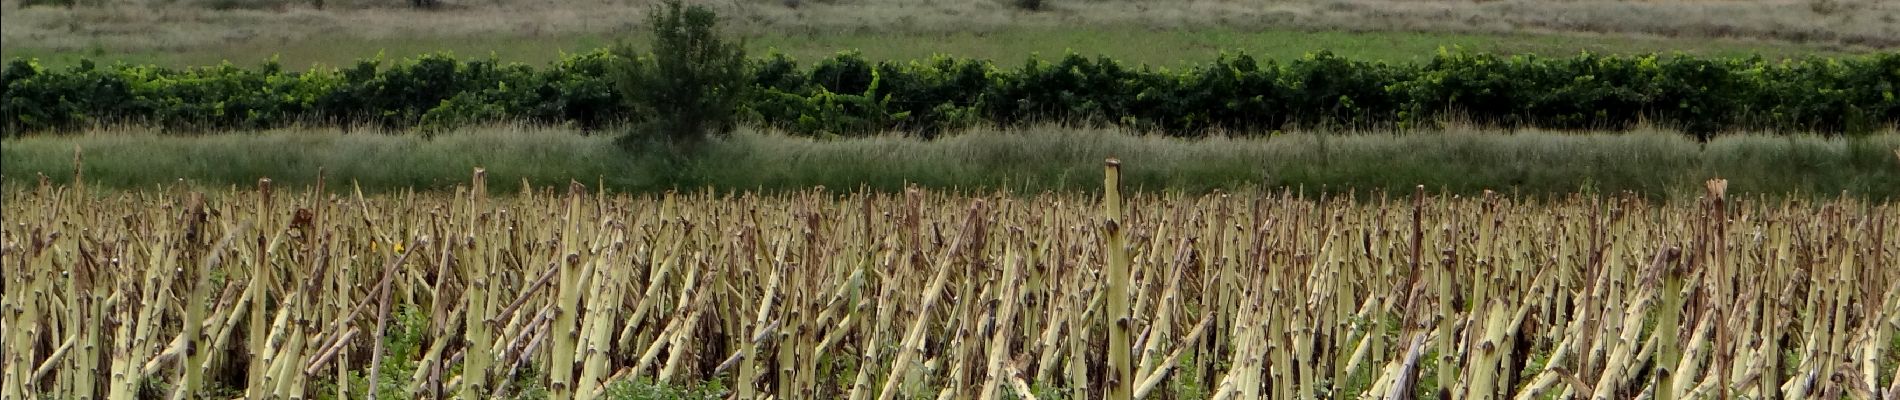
x,y
693,94
61,3
462,110
226,5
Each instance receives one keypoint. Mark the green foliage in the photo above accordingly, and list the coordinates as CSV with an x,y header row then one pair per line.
x,y
1891,366
61,3
402,343
846,95
1042,390
528,384
404,340
435,90
691,84
1534,365
682,94
645,390
462,110
857,109
226,5
1186,381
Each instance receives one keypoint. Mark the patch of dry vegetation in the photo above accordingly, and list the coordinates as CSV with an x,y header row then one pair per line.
x,y
283,294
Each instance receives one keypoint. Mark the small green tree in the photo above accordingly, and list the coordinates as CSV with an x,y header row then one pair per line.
x,y
688,87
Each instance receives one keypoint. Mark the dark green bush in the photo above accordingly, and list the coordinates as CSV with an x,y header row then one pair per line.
x,y
61,3
690,85
847,95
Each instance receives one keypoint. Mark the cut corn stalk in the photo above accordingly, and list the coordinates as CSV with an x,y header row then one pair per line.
x,y
865,296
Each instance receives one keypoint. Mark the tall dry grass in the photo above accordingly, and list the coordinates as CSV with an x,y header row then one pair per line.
x,y
1655,163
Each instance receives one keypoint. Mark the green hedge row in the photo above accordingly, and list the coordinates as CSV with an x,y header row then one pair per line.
x,y
850,95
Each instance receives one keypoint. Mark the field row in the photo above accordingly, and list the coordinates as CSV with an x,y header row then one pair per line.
x,y
574,293
850,95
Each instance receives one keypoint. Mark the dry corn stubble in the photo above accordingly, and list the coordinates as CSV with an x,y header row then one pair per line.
x,y
927,294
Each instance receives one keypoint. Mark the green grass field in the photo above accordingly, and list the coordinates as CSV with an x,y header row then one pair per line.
x,y
1151,46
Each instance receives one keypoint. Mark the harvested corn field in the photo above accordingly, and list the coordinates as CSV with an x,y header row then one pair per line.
x,y
572,293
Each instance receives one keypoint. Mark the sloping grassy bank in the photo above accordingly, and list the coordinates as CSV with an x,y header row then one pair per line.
x,y
1652,162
